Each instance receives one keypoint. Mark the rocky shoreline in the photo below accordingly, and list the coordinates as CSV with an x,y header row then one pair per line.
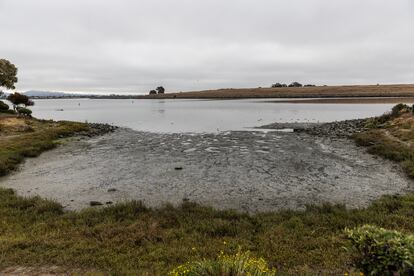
x,y
98,129
340,129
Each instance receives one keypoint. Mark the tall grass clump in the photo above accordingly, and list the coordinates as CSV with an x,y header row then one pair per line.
x,y
240,264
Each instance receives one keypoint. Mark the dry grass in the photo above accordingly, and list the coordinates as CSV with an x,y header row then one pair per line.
x,y
403,90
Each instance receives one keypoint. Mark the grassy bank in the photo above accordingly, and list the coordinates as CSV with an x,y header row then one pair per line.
x,y
132,239
129,238
391,137
28,137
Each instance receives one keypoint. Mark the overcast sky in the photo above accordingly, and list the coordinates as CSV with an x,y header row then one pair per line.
x,y
135,45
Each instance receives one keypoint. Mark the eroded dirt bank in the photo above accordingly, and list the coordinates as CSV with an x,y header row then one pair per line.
x,y
247,171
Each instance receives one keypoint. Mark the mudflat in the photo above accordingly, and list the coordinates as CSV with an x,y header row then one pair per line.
x,y
247,171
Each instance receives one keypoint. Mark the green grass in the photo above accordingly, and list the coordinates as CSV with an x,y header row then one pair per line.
x,y
130,238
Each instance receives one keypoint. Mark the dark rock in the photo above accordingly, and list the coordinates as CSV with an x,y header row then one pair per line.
x,y
342,129
108,202
95,203
112,190
178,168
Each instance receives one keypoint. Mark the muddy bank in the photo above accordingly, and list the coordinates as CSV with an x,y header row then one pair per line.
x,y
247,171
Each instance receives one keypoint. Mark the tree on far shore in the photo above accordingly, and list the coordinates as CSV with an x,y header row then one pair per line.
x,y
8,74
160,90
295,84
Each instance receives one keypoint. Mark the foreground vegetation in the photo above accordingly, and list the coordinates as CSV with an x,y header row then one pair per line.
x,y
130,238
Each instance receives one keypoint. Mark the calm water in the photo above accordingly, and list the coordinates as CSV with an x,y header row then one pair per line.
x,y
198,115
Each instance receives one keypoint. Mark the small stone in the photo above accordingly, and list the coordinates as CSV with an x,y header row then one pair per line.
x,y
178,168
95,203
108,202
111,190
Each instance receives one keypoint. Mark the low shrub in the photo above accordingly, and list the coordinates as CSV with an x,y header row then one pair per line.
x,y
3,106
378,251
399,108
24,111
226,265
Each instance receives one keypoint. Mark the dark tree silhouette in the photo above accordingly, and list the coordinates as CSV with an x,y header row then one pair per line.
x,y
160,90
153,92
295,84
276,85
17,99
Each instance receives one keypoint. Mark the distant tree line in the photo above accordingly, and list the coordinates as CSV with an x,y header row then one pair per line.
x,y
158,90
293,84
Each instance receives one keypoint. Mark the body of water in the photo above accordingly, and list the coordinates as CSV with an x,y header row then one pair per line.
x,y
183,115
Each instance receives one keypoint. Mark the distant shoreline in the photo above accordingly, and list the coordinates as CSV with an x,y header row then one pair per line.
x,y
395,91
350,91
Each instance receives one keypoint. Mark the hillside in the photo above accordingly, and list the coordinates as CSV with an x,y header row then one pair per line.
x,y
400,90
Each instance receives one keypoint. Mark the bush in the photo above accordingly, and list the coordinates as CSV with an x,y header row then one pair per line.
x,y
278,85
381,252
24,111
399,108
3,106
295,84
225,265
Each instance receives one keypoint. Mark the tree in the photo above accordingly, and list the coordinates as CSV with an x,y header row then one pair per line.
x,y
8,74
153,92
295,84
17,99
277,85
160,90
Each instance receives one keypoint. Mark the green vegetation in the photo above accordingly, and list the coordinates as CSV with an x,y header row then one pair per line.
x,y
3,106
24,137
226,265
130,238
18,99
382,252
8,74
391,136
24,111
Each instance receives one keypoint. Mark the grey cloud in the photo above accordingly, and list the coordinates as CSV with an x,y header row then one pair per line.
x,y
132,46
